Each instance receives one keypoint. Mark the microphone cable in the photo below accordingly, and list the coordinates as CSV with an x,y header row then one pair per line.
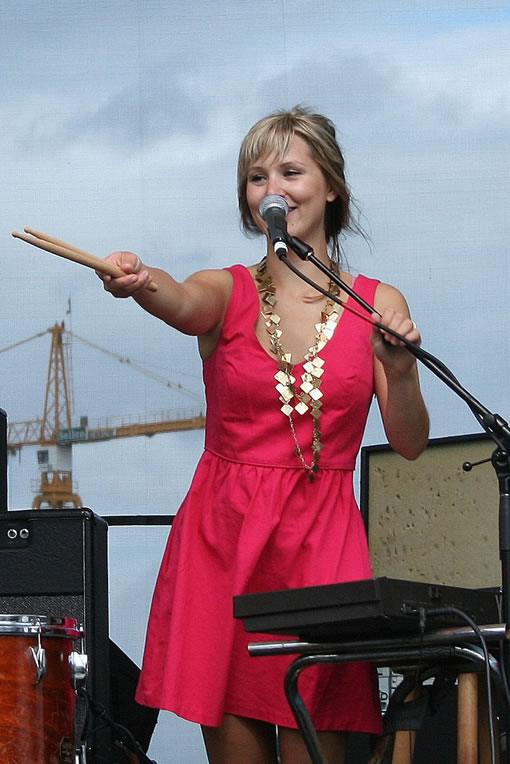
x,y
450,610
487,420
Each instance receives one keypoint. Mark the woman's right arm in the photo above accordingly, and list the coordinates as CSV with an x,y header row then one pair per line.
x,y
195,306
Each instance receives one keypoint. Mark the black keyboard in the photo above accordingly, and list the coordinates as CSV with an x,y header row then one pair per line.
x,y
384,606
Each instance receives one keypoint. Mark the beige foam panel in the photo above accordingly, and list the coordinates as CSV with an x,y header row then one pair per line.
x,y
428,520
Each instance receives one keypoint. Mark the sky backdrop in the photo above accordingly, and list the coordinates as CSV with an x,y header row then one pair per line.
x,y
120,126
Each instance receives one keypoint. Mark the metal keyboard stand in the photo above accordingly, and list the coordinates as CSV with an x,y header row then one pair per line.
x,y
458,646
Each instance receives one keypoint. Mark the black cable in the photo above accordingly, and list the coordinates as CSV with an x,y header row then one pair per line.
x,y
435,612
502,667
124,735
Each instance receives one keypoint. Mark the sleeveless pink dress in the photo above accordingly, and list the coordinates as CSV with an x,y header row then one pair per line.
x,y
253,522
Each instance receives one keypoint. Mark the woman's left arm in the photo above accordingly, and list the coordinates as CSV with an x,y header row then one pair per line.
x,y
397,385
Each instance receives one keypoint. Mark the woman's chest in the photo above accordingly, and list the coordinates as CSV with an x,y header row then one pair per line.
x,y
296,327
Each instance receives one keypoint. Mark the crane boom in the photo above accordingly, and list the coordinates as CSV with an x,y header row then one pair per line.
x,y
56,434
174,421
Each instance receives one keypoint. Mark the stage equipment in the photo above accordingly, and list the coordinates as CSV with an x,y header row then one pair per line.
x,y
273,209
431,519
398,647
40,672
492,423
127,532
138,720
384,621
380,606
54,563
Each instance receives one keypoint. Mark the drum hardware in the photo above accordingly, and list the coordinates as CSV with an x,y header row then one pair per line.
x,y
78,663
39,656
37,719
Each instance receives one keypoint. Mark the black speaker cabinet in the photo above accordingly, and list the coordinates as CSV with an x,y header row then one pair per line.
x,y
55,563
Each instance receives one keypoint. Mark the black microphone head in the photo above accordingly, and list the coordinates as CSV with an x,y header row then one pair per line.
x,y
273,202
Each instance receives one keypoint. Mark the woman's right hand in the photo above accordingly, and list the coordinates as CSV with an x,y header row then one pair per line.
x,y
195,306
135,279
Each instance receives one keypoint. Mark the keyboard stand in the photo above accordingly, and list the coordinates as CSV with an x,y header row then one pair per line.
x,y
458,647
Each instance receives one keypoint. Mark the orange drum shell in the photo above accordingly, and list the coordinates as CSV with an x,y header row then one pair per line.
x,y
36,719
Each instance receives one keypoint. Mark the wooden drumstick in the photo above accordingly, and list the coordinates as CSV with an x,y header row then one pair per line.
x,y
70,252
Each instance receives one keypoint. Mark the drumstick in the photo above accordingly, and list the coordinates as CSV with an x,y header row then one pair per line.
x,y
70,252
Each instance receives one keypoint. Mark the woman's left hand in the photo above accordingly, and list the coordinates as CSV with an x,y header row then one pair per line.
x,y
389,350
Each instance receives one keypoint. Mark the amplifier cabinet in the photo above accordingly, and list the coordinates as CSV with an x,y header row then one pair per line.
x,y
55,563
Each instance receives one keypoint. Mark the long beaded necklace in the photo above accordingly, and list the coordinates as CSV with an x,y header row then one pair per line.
x,y
308,397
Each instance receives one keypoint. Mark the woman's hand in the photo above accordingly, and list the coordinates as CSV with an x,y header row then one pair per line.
x,y
397,385
136,277
195,306
388,349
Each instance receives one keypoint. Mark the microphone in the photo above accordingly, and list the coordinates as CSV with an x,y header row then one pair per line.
x,y
273,210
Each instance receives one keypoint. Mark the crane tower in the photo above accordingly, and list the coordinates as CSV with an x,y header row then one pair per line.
x,y
55,433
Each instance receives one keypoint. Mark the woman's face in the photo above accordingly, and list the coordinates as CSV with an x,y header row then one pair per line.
x,y
300,180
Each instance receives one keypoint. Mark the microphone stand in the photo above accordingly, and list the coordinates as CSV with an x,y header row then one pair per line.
x,y
493,424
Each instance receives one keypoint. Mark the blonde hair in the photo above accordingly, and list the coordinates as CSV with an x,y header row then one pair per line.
x,y
273,134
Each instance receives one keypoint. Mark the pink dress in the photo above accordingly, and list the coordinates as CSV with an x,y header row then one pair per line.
x,y
253,522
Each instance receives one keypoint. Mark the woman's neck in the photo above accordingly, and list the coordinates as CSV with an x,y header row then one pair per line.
x,y
283,277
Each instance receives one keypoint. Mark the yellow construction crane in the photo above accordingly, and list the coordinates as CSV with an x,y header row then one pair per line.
x,y
55,433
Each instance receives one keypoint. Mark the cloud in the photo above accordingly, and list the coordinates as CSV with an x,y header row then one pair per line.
x,y
151,109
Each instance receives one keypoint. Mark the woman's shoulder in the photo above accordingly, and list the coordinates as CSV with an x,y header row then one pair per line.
x,y
388,296
233,281
225,275
363,285
251,269
216,280
214,275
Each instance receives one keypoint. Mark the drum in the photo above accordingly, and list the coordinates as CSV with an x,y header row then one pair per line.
x,y
37,695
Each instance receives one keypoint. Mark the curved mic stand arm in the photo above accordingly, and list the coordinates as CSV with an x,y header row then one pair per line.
x,y
493,424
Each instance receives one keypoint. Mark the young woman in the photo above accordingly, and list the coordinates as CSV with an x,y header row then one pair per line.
x,y
289,381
